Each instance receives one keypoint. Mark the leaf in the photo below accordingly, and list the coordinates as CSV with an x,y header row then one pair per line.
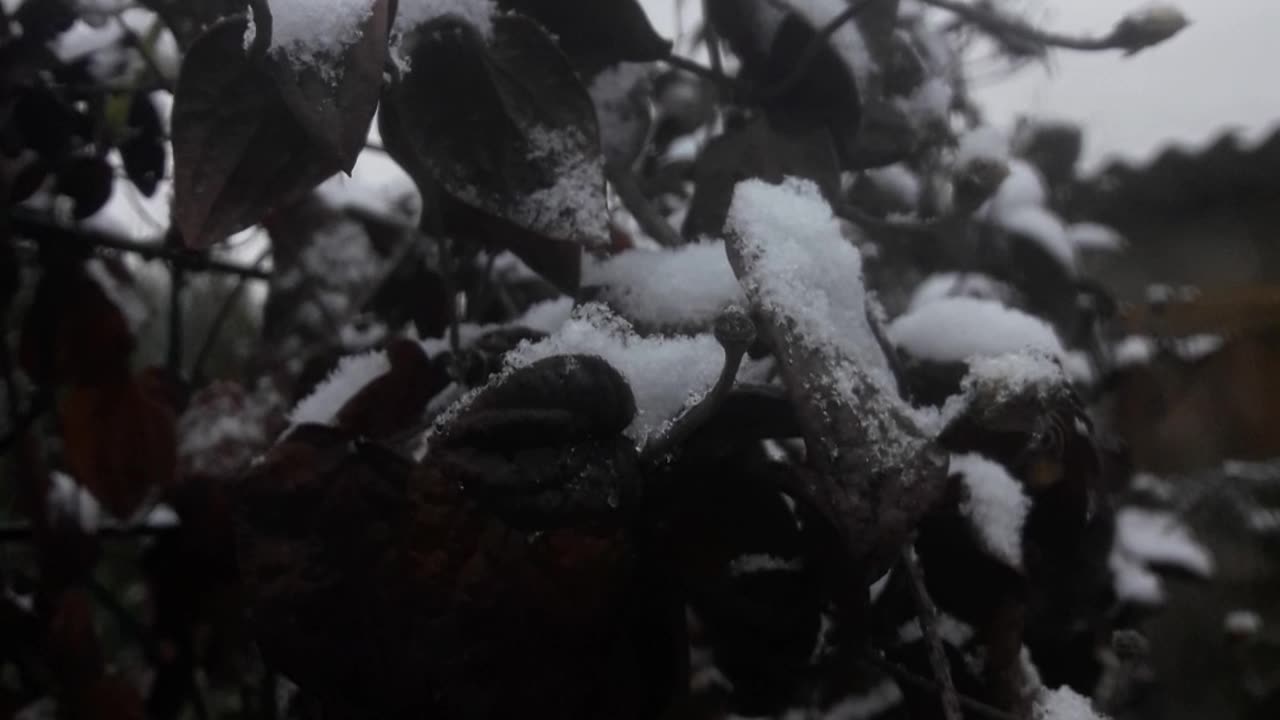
x,y
334,99
73,333
506,128
559,261
143,152
596,33
121,442
394,401
238,150
756,150
189,19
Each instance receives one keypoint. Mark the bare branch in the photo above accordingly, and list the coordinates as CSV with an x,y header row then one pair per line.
x,y
928,615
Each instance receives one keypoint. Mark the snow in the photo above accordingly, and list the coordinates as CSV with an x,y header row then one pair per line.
x,y
1041,227
898,181
800,267
754,563
930,103
1095,237
1063,704
313,33
1023,186
1141,349
996,507
67,498
376,186
1134,582
951,284
352,374
127,298
982,143
1242,622
956,329
872,703
678,287
666,374
109,56
413,13
1159,538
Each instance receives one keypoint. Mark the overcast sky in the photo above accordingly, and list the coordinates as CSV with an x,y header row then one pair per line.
x,y
1221,72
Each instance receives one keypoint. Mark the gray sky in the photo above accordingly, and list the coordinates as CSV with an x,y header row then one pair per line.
x,y
1220,72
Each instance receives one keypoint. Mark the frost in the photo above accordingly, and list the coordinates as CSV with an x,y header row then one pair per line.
x,y
1041,227
224,428
352,374
956,329
996,507
801,268
1095,237
679,287
666,374
313,33
573,206
1063,704
413,13
944,285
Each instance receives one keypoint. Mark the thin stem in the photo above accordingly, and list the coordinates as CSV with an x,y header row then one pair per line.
x,y
651,221
929,624
146,51
43,231
996,23
215,327
712,39
731,84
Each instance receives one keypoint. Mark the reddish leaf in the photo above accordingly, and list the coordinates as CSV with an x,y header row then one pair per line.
x,y
335,102
121,442
73,332
238,149
71,645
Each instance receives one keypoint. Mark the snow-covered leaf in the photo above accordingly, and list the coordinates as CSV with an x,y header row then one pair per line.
x,y
957,328
680,287
804,280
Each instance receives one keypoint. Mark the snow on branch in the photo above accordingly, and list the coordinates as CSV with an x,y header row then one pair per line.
x,y
804,281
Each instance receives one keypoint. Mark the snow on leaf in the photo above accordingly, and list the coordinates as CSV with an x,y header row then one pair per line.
x,y
666,374
69,498
952,284
1063,704
1242,622
956,329
847,42
680,287
1095,237
1159,538
804,280
352,374
996,506
898,181
982,143
313,33
1041,227
414,13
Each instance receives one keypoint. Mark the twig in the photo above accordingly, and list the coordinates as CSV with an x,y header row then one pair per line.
x,y
997,24
43,231
729,83
651,221
907,677
929,624
712,39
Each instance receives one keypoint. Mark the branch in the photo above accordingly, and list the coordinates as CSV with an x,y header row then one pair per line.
x,y
1131,34
929,625
907,677
726,82
45,232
